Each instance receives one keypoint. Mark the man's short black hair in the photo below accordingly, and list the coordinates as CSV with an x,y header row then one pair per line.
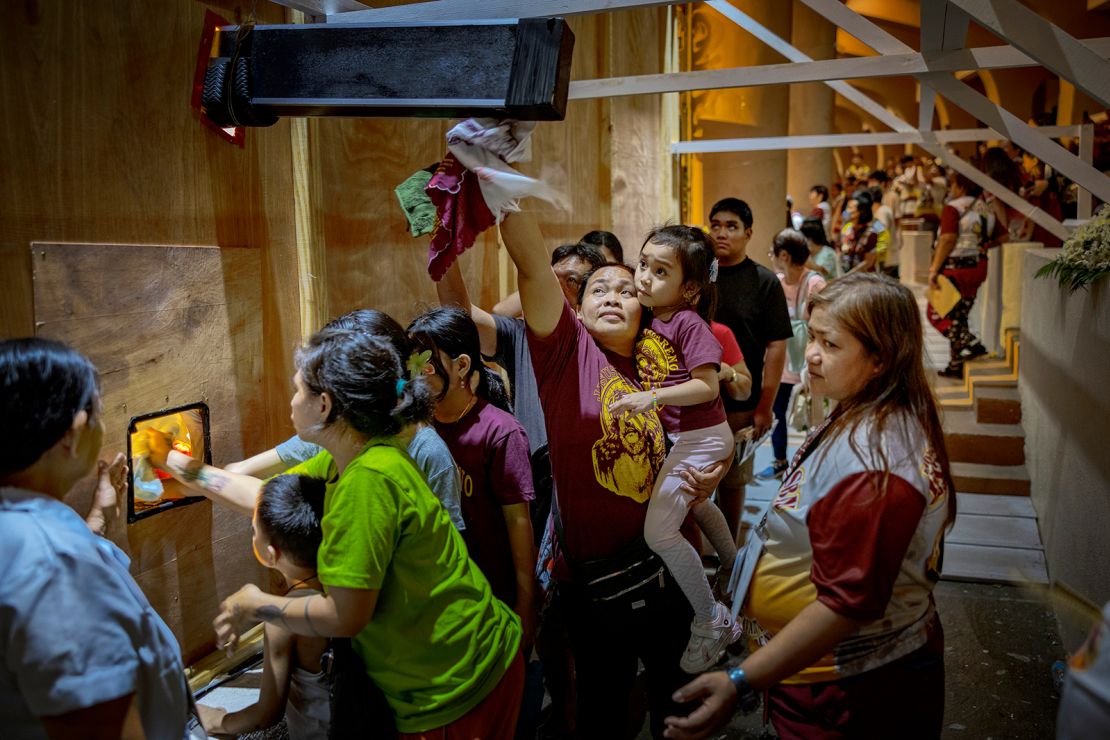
x,y
820,190
907,159
733,205
879,176
605,239
290,508
586,252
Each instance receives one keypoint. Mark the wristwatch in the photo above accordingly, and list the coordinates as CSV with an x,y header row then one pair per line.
x,y
747,699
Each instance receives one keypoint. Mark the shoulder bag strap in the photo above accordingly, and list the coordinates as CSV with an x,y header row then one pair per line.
x,y
803,293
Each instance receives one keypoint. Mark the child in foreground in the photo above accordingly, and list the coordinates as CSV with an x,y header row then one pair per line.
x,y
679,360
286,536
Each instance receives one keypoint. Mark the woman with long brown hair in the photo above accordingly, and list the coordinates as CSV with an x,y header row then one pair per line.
x,y
836,583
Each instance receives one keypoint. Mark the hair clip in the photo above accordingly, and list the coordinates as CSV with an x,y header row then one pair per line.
x,y
416,363
401,387
713,271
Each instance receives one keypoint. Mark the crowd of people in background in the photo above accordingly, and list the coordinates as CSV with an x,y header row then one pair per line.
x,y
864,212
454,546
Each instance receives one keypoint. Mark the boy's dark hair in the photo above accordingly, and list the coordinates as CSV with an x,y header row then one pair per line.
x,y
290,508
907,159
733,205
695,257
585,252
43,384
879,176
820,190
451,330
814,230
360,372
793,243
605,239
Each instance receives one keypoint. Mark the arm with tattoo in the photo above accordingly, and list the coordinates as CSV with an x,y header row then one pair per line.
x,y
238,491
343,612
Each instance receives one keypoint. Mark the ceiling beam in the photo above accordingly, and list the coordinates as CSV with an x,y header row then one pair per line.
x,y
943,28
767,36
1004,194
929,138
974,103
477,10
1047,43
824,141
855,68
902,12
1022,134
841,16
323,7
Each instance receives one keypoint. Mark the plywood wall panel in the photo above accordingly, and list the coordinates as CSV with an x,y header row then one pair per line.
x,y
639,154
98,144
372,261
167,326
573,155
184,590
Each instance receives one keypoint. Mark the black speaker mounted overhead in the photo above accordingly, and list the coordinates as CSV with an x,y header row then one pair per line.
x,y
501,69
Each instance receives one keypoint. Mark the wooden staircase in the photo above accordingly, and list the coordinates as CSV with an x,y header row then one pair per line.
x,y
995,538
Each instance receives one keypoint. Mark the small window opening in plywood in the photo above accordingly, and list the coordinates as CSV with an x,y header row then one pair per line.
x,y
151,491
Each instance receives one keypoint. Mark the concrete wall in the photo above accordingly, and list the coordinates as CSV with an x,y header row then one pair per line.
x,y
1065,353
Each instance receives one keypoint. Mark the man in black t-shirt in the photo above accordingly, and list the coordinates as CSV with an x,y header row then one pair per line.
x,y
750,301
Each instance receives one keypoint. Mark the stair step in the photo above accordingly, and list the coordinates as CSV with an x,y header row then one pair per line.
x,y
992,444
985,449
998,480
993,564
995,531
998,405
988,505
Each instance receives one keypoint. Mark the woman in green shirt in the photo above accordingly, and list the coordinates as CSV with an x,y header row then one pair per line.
x,y
397,576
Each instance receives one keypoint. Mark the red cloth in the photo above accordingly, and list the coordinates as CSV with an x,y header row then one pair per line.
x,y
494,719
730,350
967,280
461,214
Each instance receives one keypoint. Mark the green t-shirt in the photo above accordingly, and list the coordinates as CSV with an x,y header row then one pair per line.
x,y
439,642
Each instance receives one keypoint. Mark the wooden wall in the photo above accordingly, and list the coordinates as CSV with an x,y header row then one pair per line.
x,y
98,146
603,155
101,152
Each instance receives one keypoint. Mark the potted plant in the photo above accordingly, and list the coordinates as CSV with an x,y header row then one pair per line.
x,y
1085,257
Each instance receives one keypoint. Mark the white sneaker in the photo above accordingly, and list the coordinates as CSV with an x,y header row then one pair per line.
x,y
708,641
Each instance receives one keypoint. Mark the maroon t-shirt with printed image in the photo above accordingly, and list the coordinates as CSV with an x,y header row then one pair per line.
x,y
666,353
490,449
604,467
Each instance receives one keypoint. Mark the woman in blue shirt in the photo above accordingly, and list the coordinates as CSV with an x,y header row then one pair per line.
x,y
85,655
